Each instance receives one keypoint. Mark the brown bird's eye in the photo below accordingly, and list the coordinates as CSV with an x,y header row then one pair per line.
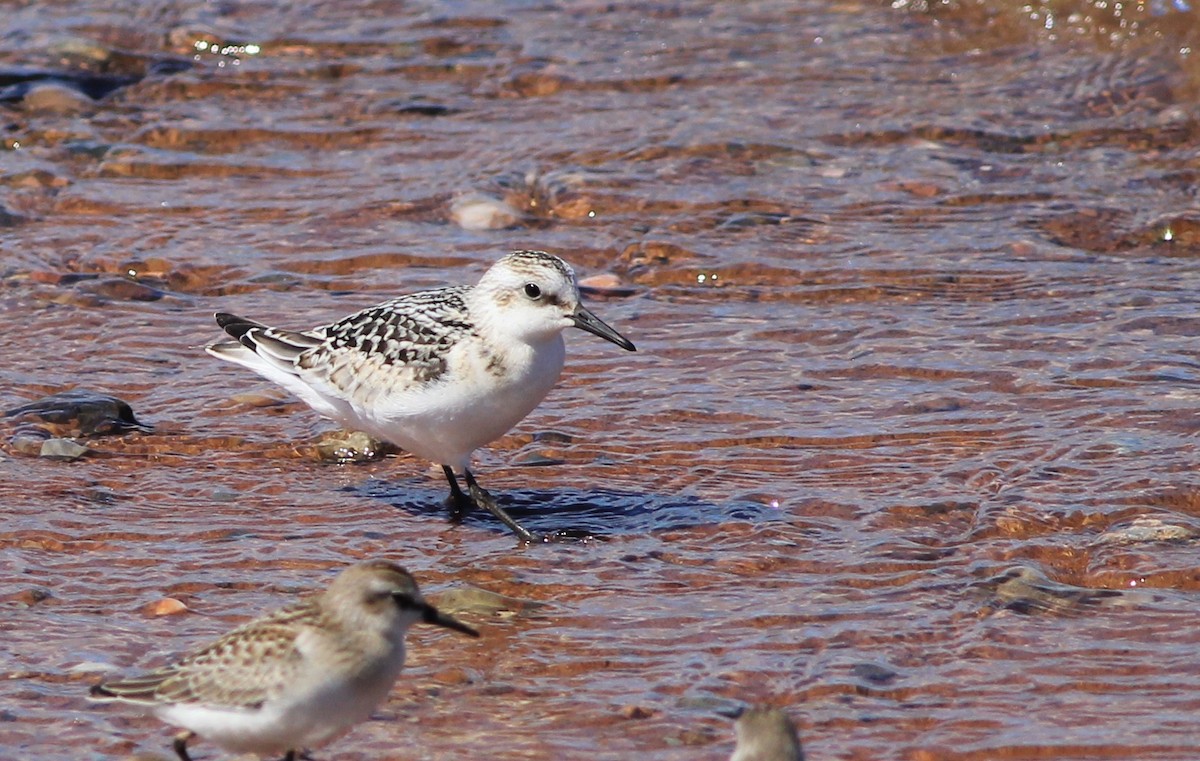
x,y
532,291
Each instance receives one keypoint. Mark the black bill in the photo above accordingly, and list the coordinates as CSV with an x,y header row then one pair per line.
x,y
585,320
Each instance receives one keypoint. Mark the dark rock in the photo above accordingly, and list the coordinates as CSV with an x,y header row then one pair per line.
x,y
80,412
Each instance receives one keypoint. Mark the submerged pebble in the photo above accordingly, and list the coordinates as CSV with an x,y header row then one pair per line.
x,y
605,284
31,596
167,606
257,399
121,289
482,602
874,673
56,98
476,211
62,449
351,447
636,712
1027,590
28,440
536,459
1147,530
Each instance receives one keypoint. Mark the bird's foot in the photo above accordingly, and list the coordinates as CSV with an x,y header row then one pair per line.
x,y
459,505
484,500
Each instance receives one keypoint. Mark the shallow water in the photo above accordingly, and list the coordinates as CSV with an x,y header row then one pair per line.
x,y
914,294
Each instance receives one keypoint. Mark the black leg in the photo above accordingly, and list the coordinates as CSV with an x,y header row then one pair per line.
x,y
484,500
455,492
180,745
289,756
458,502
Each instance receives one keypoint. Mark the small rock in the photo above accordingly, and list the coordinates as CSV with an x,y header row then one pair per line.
x,y
476,601
421,108
121,289
28,440
751,219
153,267
87,149
80,49
602,280
1027,590
62,449
56,98
874,673
1147,530
167,606
693,736
257,399
35,179
351,447
32,596
476,211
605,284
536,460
919,189
637,712
451,677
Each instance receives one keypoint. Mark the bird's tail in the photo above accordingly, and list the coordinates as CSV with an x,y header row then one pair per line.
x,y
138,689
259,347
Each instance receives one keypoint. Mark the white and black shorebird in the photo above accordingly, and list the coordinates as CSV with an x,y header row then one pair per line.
x,y
294,679
437,373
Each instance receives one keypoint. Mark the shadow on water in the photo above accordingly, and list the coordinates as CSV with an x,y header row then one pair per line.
x,y
593,512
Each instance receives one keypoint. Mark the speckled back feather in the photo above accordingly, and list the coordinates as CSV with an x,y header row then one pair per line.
x,y
415,332
264,651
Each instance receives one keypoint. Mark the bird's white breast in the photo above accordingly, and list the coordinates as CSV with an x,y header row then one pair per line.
x,y
484,393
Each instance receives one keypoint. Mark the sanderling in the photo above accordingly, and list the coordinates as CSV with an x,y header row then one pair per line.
x,y
296,678
437,373
765,734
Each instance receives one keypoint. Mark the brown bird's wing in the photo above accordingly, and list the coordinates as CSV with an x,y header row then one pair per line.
x,y
244,668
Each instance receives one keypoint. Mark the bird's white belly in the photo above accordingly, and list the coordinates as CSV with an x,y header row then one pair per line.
x,y
445,422
302,718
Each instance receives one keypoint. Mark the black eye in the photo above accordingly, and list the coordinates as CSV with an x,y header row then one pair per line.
x,y
532,291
